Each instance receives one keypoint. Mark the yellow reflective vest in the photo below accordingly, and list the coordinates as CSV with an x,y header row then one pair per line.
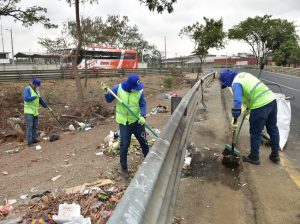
x,y
255,93
32,107
132,99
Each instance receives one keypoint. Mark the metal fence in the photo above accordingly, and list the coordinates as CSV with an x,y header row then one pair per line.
x,y
151,195
25,75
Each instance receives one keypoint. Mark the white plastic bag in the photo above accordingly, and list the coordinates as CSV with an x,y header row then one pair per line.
x,y
283,118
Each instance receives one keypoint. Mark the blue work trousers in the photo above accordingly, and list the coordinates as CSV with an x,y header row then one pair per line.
x,y
31,127
260,117
125,134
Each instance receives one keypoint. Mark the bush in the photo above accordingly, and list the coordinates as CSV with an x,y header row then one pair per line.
x,y
168,80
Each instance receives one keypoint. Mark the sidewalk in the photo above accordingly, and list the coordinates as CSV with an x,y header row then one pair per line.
x,y
215,194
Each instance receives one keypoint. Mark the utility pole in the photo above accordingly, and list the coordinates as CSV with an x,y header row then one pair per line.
x,y
12,45
2,38
165,52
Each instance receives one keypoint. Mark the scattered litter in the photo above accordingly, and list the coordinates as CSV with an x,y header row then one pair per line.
x,y
6,208
46,138
70,213
71,127
38,147
83,126
4,172
159,109
39,195
206,148
47,219
12,151
42,134
81,188
207,206
96,205
174,94
56,178
99,153
104,196
54,137
24,196
187,161
244,184
66,106
12,221
11,201
166,96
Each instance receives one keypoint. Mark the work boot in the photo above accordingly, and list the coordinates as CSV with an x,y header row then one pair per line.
x,y
251,159
125,172
274,157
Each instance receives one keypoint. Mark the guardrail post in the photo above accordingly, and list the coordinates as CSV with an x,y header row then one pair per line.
x,y
97,73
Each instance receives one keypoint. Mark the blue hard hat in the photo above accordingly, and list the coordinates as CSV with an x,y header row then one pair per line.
x,y
227,76
133,82
36,81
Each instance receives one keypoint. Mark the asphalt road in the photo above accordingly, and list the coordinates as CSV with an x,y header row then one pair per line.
x,y
290,86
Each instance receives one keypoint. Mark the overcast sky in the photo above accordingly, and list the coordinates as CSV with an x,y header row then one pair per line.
x,y
153,26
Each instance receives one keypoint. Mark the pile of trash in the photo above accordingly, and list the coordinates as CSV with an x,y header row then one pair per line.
x,y
80,126
85,204
159,109
111,145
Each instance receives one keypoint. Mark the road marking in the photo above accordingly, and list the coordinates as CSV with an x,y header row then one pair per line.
x,y
282,85
292,76
291,170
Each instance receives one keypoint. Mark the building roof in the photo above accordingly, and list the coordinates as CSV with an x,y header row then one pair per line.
x,y
34,55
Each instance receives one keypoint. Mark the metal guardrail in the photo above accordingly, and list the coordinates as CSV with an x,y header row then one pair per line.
x,y
150,198
25,75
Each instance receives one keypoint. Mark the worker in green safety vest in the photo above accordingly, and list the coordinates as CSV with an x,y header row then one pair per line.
x,y
260,101
32,101
131,92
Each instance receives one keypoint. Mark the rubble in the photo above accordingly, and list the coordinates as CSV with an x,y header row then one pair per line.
x,y
81,207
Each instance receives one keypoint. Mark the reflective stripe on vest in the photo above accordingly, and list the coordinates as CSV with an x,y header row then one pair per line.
x,y
132,100
32,107
255,93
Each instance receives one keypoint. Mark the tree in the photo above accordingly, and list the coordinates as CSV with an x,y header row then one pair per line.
x,y
53,46
158,5
28,16
205,37
263,34
114,32
287,54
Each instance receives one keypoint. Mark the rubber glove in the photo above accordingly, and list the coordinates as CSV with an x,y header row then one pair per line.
x,y
234,123
235,112
142,120
104,88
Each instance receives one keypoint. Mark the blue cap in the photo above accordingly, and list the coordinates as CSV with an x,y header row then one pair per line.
x,y
226,77
36,81
133,82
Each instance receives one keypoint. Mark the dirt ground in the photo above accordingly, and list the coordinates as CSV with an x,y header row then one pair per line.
x,y
30,171
218,195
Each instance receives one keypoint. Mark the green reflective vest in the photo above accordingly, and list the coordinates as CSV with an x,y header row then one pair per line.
x,y
32,107
255,93
132,100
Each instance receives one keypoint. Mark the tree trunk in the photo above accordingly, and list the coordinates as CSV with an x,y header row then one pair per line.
x,y
74,61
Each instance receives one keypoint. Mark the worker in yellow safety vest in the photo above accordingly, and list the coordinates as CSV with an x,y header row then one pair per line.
x,y
260,101
131,92
32,101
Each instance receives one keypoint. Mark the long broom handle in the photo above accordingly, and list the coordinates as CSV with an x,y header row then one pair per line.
x,y
124,105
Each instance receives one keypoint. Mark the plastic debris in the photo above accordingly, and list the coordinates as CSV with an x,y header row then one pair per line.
x,y
4,172
71,127
38,147
12,151
244,184
54,137
6,208
99,153
56,178
47,219
39,195
24,196
70,213
11,201
166,96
